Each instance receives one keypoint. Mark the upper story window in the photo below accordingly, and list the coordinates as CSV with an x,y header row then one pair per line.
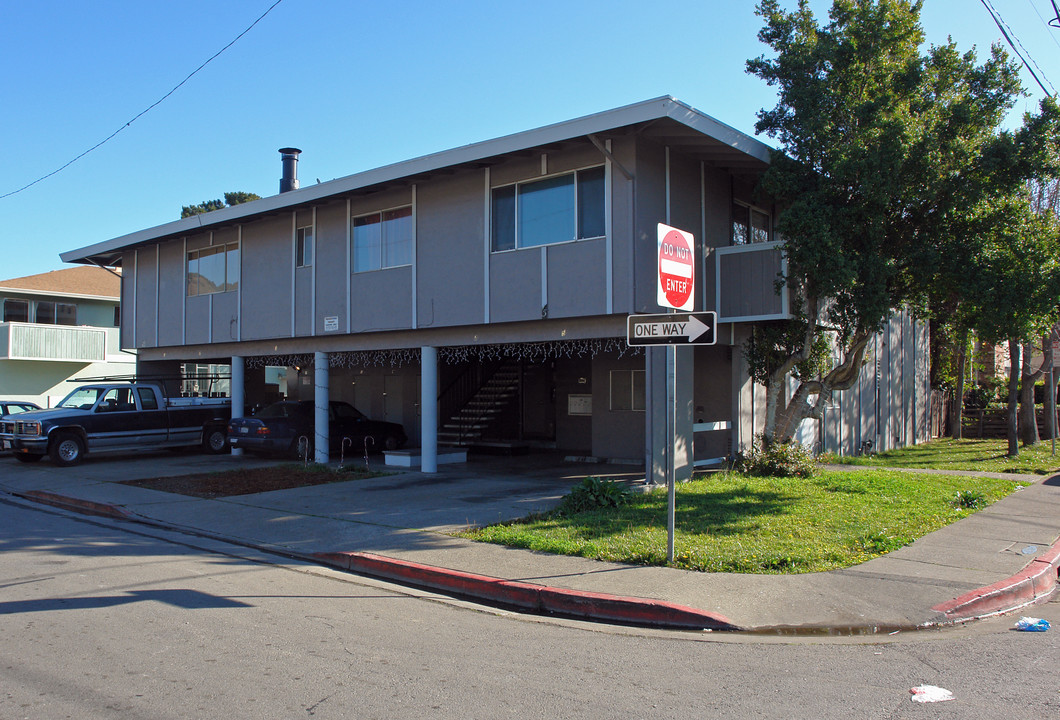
x,y
749,224
213,269
303,247
16,310
383,239
56,313
553,210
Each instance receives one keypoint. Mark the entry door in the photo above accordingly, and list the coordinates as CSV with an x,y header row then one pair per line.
x,y
392,398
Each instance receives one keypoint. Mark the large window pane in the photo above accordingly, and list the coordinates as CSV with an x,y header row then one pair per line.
x,y
591,203
397,237
45,313
211,270
546,211
65,314
367,238
759,226
232,267
503,219
740,227
193,273
16,311
303,254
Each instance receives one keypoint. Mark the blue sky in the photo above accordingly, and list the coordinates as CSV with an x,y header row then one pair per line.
x,y
355,85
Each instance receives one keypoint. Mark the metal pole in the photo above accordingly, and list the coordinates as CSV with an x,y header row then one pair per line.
x,y
671,442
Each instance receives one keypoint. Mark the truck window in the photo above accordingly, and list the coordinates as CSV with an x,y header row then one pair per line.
x,y
81,399
147,399
117,400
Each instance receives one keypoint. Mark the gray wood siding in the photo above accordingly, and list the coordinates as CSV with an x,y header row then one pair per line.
x,y
747,281
146,297
515,285
717,230
225,317
577,279
382,300
303,301
450,251
266,278
172,288
650,211
331,263
622,209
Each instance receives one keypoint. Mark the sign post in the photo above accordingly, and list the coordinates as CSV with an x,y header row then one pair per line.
x,y
676,289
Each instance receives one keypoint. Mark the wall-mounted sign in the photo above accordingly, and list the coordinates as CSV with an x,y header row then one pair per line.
x,y
331,323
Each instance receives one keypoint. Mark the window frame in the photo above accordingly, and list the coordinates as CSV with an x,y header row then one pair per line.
x,y
748,211
636,400
57,313
383,245
16,301
580,206
304,246
228,276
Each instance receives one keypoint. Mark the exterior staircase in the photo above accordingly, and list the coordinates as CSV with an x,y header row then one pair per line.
x,y
471,422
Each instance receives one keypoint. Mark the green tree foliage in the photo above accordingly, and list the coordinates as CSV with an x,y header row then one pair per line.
x,y
231,198
890,157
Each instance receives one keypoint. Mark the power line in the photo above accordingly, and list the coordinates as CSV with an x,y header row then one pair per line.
x,y
996,17
148,108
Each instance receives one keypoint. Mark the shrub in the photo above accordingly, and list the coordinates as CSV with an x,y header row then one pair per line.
x,y
788,459
593,493
969,500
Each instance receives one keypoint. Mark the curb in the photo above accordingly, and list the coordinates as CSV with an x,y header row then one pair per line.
x,y
1034,583
527,596
87,507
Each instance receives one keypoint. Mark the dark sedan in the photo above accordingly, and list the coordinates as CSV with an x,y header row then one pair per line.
x,y
278,429
12,407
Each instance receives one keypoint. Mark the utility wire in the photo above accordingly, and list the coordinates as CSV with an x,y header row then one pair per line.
x,y
148,108
996,17
1055,22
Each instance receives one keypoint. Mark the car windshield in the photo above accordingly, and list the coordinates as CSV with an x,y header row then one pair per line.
x,y
81,399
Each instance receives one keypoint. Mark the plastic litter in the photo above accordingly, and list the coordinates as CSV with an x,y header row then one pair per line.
x,y
930,693
1029,624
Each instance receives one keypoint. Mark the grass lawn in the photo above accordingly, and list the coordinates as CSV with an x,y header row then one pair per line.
x,y
983,455
727,522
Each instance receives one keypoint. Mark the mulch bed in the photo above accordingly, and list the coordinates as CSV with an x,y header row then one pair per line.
x,y
248,481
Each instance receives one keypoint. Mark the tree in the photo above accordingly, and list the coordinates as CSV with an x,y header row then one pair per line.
x,y
231,198
886,156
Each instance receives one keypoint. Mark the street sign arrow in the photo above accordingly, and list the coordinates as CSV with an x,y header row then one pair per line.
x,y
672,329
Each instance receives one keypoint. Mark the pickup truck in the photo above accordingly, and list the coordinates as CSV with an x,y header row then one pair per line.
x,y
116,417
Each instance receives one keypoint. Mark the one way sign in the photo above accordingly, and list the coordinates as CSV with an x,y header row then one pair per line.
x,y
671,329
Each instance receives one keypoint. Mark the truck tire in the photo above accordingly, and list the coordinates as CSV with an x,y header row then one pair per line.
x,y
214,440
67,449
28,457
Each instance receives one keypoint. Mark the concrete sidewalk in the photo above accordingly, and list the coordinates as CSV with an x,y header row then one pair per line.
x,y
394,527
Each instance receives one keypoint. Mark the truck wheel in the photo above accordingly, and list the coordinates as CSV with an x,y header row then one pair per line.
x,y
214,440
67,449
28,457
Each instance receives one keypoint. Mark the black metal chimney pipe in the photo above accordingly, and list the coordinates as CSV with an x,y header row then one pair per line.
x,y
289,157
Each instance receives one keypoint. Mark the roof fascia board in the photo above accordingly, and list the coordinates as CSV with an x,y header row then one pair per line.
x,y
56,294
648,110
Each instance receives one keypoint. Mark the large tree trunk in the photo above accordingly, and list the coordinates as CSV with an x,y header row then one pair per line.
x,y
957,410
1013,399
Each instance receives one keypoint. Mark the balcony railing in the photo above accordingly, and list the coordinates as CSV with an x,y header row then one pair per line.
x,y
747,282
28,341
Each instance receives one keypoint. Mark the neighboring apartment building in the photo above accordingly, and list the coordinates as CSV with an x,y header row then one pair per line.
x,y
479,295
57,327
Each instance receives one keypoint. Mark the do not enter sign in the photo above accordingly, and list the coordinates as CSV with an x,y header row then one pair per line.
x,y
676,268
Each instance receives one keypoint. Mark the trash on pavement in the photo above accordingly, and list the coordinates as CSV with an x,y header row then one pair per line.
x,y
930,693
1029,624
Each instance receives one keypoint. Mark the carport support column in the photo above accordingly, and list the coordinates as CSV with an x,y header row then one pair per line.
x,y
321,441
238,393
429,409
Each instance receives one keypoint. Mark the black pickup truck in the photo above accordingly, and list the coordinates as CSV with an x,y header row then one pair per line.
x,y
116,417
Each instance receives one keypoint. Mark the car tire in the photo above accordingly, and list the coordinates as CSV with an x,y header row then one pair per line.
x,y
67,449
28,457
391,442
214,440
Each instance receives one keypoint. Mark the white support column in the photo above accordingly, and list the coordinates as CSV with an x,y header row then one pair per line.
x,y
429,409
321,440
238,393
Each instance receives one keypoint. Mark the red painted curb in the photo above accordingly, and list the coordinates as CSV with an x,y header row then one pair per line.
x,y
1034,583
538,598
88,507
